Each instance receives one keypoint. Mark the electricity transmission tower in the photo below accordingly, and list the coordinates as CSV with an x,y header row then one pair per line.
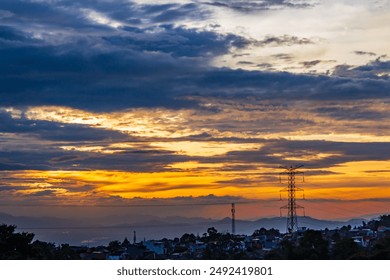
x,y
233,218
291,189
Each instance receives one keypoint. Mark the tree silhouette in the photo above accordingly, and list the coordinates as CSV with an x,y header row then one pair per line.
x,y
312,246
188,238
65,252
381,250
286,251
15,246
44,251
114,247
345,249
212,232
19,246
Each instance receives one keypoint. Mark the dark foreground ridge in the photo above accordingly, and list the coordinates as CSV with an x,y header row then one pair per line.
x,y
371,240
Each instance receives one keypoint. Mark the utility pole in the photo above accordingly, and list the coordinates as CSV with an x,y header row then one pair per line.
x,y
233,218
291,189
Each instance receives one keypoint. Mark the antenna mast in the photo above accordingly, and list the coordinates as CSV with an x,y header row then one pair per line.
x,y
233,218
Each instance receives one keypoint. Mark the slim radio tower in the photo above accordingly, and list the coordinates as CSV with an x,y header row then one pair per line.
x,y
292,206
233,218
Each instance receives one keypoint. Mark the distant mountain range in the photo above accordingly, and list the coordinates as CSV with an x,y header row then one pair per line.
x,y
100,231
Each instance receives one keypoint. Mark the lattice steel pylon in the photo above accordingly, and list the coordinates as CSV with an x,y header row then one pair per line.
x,y
292,206
233,218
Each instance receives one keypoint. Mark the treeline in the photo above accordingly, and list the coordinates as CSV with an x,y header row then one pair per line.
x,y
20,246
313,246
324,245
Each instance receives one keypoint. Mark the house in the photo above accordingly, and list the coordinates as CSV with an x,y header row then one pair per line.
x,y
156,247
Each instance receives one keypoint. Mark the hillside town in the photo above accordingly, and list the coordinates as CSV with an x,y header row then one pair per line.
x,y
371,240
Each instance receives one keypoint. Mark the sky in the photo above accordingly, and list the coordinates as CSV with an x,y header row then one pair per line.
x,y
109,104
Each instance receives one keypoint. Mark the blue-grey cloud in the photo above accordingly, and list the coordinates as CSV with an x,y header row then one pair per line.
x,y
309,64
8,33
91,65
43,193
283,56
365,53
99,68
72,15
52,158
147,61
179,42
275,152
249,6
285,40
357,113
374,69
45,130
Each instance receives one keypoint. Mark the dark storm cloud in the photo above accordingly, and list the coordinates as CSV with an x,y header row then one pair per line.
x,y
343,151
103,70
309,64
248,6
42,145
153,63
26,160
45,130
130,12
8,33
174,12
67,158
320,172
285,40
61,17
180,42
56,159
38,145
99,68
283,56
69,15
243,62
266,66
15,166
364,53
373,70
166,187
110,81
357,112
43,193
240,83
277,152
11,188
132,160
72,188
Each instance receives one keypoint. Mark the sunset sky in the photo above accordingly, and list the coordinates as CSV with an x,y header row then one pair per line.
x,y
194,102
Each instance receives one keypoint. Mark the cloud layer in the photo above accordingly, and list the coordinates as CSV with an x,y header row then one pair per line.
x,y
176,90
